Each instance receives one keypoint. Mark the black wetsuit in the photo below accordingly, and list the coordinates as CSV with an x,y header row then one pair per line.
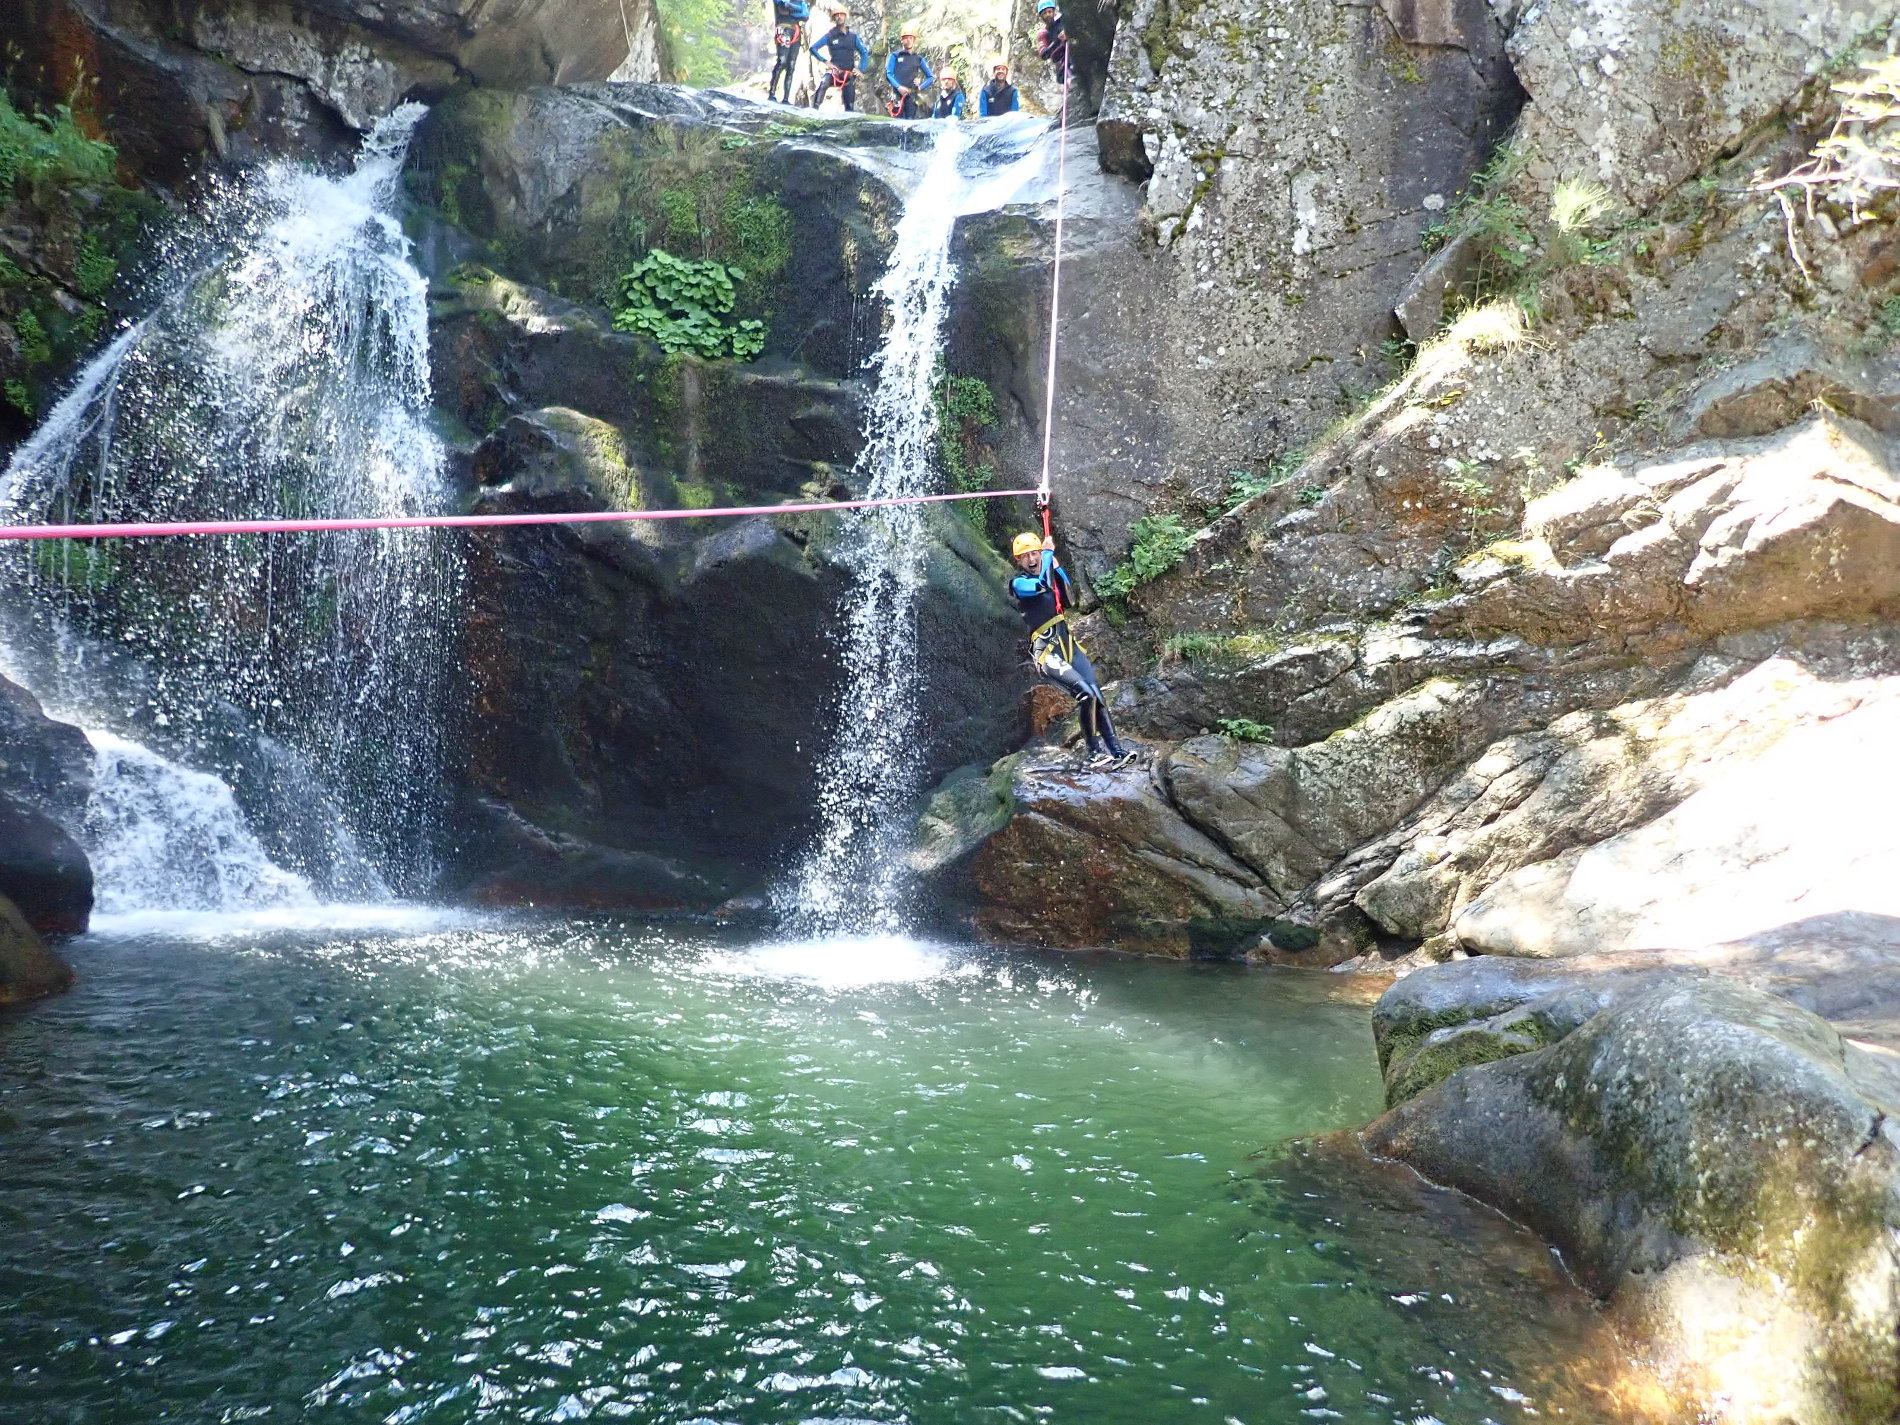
x,y
788,38
1053,44
1040,598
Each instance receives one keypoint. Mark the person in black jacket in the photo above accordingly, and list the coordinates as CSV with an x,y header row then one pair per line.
x,y
909,75
952,102
999,96
847,56
1052,40
788,40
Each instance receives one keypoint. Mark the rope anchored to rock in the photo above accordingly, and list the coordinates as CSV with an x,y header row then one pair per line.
x,y
192,527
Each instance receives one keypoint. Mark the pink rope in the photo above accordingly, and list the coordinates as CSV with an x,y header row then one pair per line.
x,y
146,531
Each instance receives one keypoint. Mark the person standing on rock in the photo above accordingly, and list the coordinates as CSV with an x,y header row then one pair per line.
x,y
909,75
847,56
788,40
999,96
951,100
1042,596
1052,40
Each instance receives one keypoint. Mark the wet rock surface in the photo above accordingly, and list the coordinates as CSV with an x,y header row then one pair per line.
x,y
46,769
28,969
1714,1161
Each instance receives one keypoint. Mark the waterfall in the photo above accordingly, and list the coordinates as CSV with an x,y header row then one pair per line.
x,y
287,375
163,837
853,879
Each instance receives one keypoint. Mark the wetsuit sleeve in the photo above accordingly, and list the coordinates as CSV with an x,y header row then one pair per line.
x,y
983,103
1025,586
864,55
818,45
928,78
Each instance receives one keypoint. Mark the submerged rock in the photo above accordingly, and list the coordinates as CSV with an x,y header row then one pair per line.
x,y
27,968
1717,1163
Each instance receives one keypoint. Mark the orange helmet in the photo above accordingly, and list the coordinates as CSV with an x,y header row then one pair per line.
x,y
1025,543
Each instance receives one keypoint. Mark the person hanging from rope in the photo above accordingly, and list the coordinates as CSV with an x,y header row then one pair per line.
x,y
999,96
1052,39
788,40
908,73
951,100
847,56
1042,595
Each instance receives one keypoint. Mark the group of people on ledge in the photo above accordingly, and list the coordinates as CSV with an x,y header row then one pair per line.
x,y
907,71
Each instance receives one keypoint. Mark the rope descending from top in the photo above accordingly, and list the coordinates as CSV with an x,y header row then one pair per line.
x,y
192,527
1055,291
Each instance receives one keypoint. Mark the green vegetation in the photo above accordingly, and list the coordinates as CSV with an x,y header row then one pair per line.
x,y
965,409
1243,485
82,565
686,306
691,45
73,225
1245,729
49,152
1160,543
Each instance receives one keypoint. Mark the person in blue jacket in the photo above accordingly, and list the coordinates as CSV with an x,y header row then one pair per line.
x,y
788,38
1042,597
951,100
847,56
999,96
909,75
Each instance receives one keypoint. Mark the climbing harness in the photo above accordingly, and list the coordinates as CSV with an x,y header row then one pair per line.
x,y
195,527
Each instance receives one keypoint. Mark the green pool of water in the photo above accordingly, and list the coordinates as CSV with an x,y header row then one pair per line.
x,y
591,1170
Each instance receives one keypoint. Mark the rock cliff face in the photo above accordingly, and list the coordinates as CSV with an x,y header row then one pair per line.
x,y
45,878
171,81
1623,524
650,702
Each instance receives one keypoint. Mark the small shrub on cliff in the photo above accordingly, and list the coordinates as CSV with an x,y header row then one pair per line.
x,y
686,306
965,409
49,148
1160,543
1245,729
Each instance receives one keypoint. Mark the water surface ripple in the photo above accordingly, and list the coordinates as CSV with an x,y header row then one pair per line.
x,y
561,1171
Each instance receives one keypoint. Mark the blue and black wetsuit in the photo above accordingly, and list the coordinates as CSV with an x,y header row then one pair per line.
x,y
910,71
847,56
1040,598
997,97
788,38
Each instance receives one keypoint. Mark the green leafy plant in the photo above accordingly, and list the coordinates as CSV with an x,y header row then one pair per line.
x,y
686,306
49,148
1245,729
1160,543
94,268
81,565
964,409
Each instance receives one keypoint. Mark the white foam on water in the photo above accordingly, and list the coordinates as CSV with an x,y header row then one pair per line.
x,y
843,962
344,919
165,838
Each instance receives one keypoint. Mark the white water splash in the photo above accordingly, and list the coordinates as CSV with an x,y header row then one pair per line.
x,y
853,880
289,376
163,837
843,962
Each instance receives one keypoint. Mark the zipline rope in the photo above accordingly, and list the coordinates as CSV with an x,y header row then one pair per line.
x,y
142,531
1055,288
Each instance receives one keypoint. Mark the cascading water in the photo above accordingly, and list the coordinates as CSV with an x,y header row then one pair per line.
x,y
853,880
288,377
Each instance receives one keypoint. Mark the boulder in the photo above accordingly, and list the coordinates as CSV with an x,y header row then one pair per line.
x,y
233,80
1803,830
43,871
1714,1161
27,968
1640,99
44,763
1105,860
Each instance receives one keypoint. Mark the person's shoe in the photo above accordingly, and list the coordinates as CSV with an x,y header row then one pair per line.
x,y
1100,762
1127,759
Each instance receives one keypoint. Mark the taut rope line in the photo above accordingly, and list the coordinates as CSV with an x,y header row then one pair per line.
x,y
145,531
1055,284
